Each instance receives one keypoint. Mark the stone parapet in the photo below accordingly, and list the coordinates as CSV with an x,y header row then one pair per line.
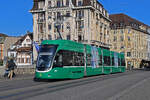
x,y
25,69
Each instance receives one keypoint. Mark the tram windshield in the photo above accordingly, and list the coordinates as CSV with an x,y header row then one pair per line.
x,y
45,57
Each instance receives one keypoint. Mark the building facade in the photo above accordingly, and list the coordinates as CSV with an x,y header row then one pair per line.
x,y
130,36
9,41
2,41
22,51
83,21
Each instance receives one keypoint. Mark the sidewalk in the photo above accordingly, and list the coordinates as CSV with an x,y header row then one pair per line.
x,y
2,70
18,77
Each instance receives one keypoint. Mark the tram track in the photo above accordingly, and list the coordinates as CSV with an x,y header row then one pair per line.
x,y
31,91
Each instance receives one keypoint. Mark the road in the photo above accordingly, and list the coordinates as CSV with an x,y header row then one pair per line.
x,y
131,85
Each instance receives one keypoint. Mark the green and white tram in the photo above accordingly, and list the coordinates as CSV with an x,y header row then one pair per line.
x,y
64,59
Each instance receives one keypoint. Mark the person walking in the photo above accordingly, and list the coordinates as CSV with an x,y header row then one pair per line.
x,y
11,67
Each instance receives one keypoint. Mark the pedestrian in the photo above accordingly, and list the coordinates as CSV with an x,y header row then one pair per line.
x,y
11,67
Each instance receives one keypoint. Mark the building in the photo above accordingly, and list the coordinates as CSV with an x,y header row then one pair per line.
x,y
9,41
130,36
2,39
148,39
83,21
22,50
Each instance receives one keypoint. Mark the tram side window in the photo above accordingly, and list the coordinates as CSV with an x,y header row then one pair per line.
x,y
78,59
122,62
107,61
113,63
58,60
68,58
88,59
119,61
81,59
100,62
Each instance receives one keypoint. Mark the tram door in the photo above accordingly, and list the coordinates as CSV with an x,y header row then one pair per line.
x,y
85,73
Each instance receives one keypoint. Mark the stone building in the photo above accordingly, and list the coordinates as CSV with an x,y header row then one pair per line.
x,y
83,21
130,36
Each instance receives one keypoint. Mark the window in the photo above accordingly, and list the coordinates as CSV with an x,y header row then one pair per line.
x,y
129,30
100,62
59,15
68,25
114,31
119,63
28,40
68,58
27,60
68,14
67,2
80,13
22,60
12,54
81,24
79,38
115,38
40,28
107,61
121,31
113,61
58,3
29,45
121,38
79,3
88,59
49,4
49,37
49,26
122,62
128,38
122,47
128,54
68,37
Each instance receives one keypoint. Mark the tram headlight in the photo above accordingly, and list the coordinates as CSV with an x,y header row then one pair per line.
x,y
55,70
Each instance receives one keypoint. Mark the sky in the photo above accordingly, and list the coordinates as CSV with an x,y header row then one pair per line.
x,y
16,20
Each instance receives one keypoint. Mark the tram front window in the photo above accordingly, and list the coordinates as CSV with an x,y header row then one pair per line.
x,y
45,57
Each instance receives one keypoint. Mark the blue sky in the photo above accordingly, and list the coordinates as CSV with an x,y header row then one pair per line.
x,y
15,18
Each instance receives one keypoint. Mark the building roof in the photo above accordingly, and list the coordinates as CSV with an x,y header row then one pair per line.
x,y
3,35
85,3
22,38
122,20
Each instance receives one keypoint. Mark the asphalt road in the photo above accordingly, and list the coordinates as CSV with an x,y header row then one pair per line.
x,y
131,85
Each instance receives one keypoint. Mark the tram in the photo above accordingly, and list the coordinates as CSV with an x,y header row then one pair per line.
x,y
65,59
